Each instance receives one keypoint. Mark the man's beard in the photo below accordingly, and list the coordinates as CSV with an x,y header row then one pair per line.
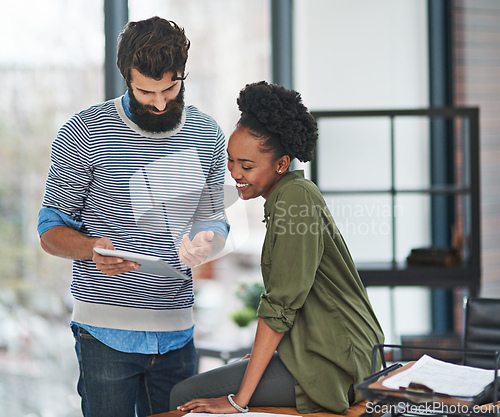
x,y
157,123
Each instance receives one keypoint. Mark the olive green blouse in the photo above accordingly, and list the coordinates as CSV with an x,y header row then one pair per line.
x,y
315,295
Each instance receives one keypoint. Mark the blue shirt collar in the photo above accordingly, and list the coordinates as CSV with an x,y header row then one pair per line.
x,y
126,105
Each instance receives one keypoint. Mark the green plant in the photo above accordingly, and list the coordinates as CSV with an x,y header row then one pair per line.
x,y
249,294
244,317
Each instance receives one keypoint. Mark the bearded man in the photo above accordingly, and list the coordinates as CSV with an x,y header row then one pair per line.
x,y
140,173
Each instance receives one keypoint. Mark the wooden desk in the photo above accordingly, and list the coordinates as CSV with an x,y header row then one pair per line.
x,y
354,411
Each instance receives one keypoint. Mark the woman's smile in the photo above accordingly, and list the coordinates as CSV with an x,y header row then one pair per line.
x,y
253,169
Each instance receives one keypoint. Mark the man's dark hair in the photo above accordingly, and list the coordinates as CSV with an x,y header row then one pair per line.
x,y
153,47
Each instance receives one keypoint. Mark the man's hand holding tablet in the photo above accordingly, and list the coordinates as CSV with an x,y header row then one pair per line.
x,y
135,261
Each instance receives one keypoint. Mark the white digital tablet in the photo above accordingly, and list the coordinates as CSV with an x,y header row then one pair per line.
x,y
149,264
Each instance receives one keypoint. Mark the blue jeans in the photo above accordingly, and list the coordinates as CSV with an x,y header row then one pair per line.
x,y
117,384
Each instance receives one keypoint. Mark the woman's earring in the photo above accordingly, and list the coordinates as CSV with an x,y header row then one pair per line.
x,y
279,171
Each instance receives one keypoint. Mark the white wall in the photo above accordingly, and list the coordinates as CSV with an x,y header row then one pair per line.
x,y
361,53
365,54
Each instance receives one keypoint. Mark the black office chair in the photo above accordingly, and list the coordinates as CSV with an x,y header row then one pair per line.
x,y
482,331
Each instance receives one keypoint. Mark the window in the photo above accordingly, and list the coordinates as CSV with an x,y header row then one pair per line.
x,y
384,200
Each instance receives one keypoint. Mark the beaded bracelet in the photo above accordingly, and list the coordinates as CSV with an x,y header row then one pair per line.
x,y
240,409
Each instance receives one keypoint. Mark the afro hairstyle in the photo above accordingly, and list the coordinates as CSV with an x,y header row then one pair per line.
x,y
278,117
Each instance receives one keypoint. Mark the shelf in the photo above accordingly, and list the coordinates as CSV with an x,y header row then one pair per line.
x,y
428,276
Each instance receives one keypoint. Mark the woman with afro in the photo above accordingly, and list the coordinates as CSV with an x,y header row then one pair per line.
x,y
315,311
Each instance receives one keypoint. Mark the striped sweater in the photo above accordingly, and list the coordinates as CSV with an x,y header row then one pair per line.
x,y
144,191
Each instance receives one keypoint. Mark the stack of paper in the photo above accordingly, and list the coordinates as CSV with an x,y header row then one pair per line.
x,y
443,377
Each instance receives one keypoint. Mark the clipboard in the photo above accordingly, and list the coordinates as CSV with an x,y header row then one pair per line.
x,y
413,397
149,264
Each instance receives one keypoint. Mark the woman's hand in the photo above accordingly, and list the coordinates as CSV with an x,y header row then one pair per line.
x,y
219,405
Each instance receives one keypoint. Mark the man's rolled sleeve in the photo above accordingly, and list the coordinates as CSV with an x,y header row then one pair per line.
x,y
50,217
